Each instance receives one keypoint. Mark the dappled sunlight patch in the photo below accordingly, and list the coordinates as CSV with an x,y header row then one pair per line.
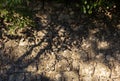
x,y
23,42
66,53
93,31
101,70
31,68
103,45
56,76
43,18
115,70
88,71
61,32
39,36
100,57
118,26
41,33
71,76
85,44
117,55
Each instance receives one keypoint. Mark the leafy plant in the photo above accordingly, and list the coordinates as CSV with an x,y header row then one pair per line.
x,y
14,20
11,3
15,17
89,5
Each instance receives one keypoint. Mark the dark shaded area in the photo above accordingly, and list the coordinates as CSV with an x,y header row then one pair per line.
x,y
24,76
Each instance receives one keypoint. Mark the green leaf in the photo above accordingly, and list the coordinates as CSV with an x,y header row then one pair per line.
x,y
88,6
85,2
84,9
90,12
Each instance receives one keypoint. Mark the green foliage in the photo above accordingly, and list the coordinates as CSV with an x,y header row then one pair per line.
x,y
14,20
10,3
15,17
91,6
88,6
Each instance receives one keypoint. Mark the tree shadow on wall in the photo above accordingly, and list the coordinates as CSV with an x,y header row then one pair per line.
x,y
62,36
20,64
109,37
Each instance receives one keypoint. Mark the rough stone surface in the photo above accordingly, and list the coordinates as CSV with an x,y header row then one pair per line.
x,y
67,47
